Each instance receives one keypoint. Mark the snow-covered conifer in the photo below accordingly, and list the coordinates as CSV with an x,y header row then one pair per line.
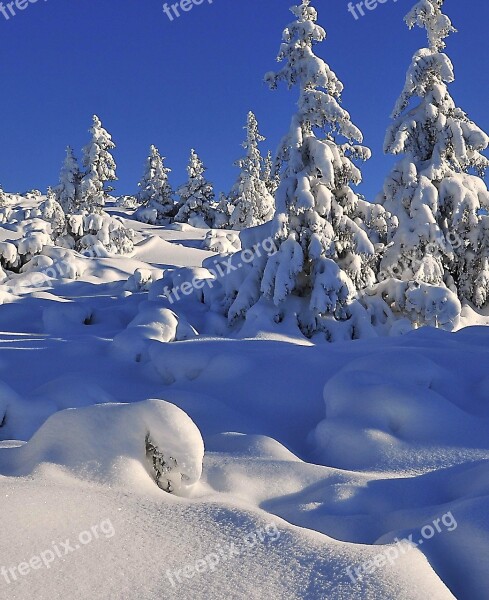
x,y
196,205
270,174
222,213
155,191
52,212
325,256
433,190
100,168
252,202
4,201
68,193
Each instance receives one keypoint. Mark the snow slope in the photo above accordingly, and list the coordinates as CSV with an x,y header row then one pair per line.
x,y
318,458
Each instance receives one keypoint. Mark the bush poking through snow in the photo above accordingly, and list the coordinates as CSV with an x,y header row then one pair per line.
x,y
165,468
112,443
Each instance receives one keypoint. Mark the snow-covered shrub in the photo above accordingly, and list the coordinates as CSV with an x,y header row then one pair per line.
x,y
141,281
119,443
99,233
222,242
196,205
9,255
155,193
146,214
32,244
440,246
52,264
52,212
251,201
128,202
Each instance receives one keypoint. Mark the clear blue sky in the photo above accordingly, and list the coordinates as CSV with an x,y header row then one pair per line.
x,y
190,82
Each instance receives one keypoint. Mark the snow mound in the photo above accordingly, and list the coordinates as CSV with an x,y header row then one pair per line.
x,y
140,282
152,323
389,410
61,317
221,242
117,444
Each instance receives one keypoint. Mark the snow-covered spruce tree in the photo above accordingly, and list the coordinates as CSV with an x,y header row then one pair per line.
x,y
441,242
270,174
196,205
100,168
252,202
222,213
155,193
68,192
325,257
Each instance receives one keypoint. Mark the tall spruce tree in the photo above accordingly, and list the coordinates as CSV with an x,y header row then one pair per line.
x,y
196,204
252,202
68,192
100,168
154,189
435,190
325,257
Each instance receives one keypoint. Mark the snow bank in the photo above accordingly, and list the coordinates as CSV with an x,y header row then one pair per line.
x,y
153,323
221,242
117,444
389,410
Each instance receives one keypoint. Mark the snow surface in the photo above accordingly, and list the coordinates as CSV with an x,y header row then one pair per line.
x,y
317,457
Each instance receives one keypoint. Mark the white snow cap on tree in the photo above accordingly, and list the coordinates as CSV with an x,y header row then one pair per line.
x,y
432,190
100,167
196,205
155,191
253,204
68,193
325,255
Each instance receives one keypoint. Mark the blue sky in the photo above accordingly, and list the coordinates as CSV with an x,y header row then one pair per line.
x,y
190,82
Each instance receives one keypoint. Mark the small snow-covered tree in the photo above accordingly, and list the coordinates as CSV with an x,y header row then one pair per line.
x,y
252,202
196,205
3,198
325,256
155,192
439,244
270,174
68,193
52,212
222,213
100,168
